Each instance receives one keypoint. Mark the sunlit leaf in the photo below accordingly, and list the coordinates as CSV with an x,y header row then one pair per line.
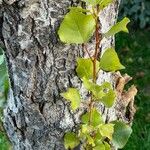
x,y
102,146
120,26
85,68
109,98
107,130
121,134
94,88
76,27
71,140
99,146
110,61
103,93
73,96
95,120
90,140
85,128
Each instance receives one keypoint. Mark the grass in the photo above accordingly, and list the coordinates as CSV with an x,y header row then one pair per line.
x,y
134,51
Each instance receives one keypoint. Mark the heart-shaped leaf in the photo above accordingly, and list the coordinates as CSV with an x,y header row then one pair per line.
x,y
76,27
73,96
71,140
110,61
121,134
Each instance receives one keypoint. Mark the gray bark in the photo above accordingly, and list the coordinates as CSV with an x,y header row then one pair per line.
x,y
40,67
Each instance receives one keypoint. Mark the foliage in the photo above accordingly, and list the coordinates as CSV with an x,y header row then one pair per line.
x,y
86,69
110,61
73,96
78,27
121,134
134,50
137,10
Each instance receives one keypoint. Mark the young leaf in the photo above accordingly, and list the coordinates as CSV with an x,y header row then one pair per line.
x,y
71,140
73,96
107,130
85,68
99,146
96,118
102,146
120,26
107,146
90,140
110,61
94,88
103,93
109,95
85,128
109,98
121,134
76,27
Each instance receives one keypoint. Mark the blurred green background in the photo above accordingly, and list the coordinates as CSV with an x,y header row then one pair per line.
x,y
134,51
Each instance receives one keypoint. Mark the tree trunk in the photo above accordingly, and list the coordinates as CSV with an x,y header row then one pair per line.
x,y
40,67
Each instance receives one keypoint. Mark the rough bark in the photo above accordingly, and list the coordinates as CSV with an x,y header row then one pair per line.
x,y
40,67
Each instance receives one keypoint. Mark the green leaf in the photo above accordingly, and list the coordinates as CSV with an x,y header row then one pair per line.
x,y
110,61
90,140
121,134
96,89
99,146
76,27
73,96
107,130
104,3
109,98
96,118
102,146
85,128
85,68
71,140
98,138
107,146
103,93
120,26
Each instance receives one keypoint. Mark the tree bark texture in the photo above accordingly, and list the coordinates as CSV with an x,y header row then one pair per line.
x,y
40,68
